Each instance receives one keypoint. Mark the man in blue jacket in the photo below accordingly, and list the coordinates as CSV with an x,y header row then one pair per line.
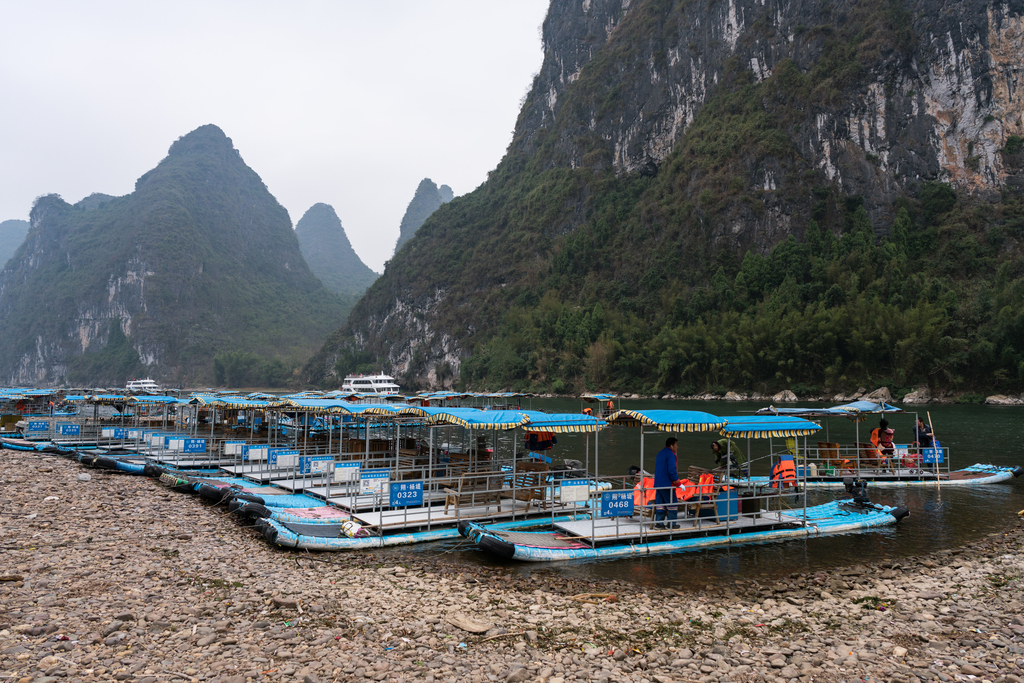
x,y
665,480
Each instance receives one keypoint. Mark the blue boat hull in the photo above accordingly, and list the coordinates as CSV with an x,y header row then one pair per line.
x,y
827,519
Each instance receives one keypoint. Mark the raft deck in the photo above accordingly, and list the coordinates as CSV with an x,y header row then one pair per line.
x,y
619,529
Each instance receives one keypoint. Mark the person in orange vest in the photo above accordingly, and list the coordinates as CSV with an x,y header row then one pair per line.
x,y
666,478
588,411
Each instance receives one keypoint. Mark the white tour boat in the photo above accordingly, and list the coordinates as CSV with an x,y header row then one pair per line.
x,y
381,385
141,385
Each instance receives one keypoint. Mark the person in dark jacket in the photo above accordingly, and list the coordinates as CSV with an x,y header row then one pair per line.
x,y
666,478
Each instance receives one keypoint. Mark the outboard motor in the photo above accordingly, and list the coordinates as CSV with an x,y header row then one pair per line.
x,y
570,469
858,488
574,469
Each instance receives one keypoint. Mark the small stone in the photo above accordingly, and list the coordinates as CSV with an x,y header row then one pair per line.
x,y
286,603
518,676
84,477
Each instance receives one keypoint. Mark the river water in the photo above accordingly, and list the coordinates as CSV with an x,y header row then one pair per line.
x,y
939,518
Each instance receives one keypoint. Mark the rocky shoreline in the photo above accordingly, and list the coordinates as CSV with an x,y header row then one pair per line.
x,y
117,578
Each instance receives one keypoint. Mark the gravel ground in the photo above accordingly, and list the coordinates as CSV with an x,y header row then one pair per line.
x,y
117,578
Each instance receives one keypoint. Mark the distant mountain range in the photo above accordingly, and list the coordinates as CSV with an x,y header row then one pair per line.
x,y
195,276
12,234
329,252
428,199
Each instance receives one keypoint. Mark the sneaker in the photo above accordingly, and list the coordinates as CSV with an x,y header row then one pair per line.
x,y
676,526
660,526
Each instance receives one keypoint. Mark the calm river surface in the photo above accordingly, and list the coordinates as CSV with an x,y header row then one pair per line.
x,y
938,519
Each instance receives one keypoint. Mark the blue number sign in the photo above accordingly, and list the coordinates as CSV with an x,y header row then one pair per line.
x,y
70,430
933,456
38,426
406,493
195,445
617,504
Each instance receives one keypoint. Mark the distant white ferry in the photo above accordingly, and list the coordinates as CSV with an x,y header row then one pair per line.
x,y
382,385
141,385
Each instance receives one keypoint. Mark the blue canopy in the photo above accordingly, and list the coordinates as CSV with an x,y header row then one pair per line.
x,y
597,398
469,418
766,426
669,420
561,423
319,405
152,399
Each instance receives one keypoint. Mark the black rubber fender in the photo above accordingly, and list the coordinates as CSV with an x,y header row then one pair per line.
x,y
151,470
251,510
502,549
268,531
212,493
1017,471
899,513
464,528
105,463
249,498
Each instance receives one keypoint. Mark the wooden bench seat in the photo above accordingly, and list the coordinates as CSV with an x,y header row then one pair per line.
x,y
528,483
474,489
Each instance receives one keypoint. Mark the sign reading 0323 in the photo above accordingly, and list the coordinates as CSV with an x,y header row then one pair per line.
x,y
406,493
617,504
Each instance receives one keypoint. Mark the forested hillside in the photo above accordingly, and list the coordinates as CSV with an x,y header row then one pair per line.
x,y
329,253
195,276
708,196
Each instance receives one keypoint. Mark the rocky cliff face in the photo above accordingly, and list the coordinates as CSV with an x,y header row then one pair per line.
x,y
813,103
329,253
200,258
937,100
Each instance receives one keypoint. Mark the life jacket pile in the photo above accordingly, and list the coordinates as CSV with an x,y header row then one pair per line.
x,y
644,492
539,441
784,472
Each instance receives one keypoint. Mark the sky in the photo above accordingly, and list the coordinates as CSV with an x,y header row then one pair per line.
x,y
342,102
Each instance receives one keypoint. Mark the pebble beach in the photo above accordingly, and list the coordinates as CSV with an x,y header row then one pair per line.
x,y
105,576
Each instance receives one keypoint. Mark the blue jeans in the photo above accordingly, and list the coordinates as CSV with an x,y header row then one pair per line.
x,y
664,499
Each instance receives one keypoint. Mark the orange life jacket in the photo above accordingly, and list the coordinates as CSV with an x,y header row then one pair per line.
x,y
588,411
874,437
643,493
784,472
706,484
686,489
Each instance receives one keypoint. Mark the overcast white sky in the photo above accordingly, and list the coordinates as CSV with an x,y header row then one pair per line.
x,y
347,103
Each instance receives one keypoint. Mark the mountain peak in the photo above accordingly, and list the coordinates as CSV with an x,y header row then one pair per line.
x,y
329,253
428,199
202,139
